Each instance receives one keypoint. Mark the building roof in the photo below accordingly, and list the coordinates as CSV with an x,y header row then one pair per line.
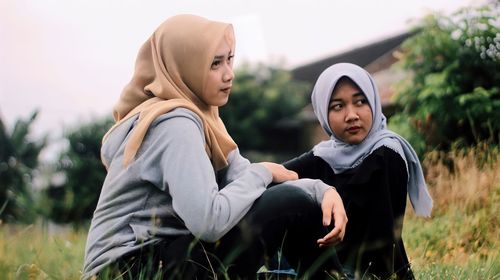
x,y
362,56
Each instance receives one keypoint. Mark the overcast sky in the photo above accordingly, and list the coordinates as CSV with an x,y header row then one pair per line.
x,y
71,58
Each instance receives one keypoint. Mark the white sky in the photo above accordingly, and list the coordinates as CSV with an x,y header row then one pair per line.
x,y
71,58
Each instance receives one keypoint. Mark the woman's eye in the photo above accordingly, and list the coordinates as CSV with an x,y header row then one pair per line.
x,y
215,63
335,107
361,102
230,59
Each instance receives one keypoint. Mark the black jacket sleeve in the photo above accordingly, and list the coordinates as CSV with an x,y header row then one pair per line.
x,y
306,165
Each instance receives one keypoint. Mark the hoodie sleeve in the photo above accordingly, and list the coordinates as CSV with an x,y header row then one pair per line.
x,y
313,187
175,149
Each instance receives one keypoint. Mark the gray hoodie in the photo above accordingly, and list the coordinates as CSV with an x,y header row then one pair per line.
x,y
171,189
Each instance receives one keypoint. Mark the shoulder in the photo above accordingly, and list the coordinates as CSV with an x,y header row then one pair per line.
x,y
308,165
179,128
172,137
177,123
385,159
304,159
179,115
387,154
382,165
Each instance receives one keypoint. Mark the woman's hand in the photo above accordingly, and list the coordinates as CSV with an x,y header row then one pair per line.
x,y
332,204
280,173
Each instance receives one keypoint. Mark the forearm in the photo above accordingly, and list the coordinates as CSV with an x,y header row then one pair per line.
x,y
314,188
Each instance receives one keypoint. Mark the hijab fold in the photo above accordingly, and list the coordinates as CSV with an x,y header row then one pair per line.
x,y
342,156
170,72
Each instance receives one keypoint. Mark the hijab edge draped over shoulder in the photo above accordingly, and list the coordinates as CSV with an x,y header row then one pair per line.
x,y
342,156
170,72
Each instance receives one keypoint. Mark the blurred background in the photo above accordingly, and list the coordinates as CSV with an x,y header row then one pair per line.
x,y
63,65
70,59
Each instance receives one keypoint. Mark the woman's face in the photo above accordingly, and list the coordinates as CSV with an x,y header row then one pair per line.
x,y
220,77
349,114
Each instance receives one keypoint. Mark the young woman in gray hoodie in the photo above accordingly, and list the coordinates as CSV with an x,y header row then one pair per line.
x,y
179,201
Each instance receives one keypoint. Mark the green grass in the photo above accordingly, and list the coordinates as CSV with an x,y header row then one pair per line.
x,y
460,241
29,249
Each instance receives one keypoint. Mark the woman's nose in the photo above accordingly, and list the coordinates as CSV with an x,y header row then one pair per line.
x,y
351,114
228,73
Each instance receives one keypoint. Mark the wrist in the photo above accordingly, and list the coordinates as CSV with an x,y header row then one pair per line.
x,y
334,191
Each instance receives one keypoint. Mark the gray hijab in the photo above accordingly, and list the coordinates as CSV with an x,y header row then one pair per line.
x,y
342,156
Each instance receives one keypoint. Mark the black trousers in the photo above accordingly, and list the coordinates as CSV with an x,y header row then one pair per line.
x,y
284,218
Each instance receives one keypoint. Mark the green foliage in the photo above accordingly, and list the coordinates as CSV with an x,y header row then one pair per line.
x,y
18,163
75,199
453,93
260,98
401,124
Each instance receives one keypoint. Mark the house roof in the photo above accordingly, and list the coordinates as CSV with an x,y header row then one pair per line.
x,y
362,56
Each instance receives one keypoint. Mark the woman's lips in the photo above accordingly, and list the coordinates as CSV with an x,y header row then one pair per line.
x,y
353,129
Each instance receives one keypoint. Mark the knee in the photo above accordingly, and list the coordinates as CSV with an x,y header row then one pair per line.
x,y
284,198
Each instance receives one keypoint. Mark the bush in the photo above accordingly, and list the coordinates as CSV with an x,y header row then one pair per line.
x,y
18,165
261,97
74,199
453,93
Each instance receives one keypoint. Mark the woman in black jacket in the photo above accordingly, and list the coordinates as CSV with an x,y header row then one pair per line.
x,y
372,168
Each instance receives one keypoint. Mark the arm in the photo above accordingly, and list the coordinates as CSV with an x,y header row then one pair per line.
x,y
308,166
237,164
177,148
331,206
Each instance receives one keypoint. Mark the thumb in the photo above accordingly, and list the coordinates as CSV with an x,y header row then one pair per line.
x,y
293,175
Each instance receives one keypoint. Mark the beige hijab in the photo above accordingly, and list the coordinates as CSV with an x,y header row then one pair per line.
x,y
170,72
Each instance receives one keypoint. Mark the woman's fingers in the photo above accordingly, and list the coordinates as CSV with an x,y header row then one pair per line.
x,y
332,238
332,204
340,218
280,173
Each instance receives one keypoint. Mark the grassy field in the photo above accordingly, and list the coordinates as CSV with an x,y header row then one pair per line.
x,y
460,241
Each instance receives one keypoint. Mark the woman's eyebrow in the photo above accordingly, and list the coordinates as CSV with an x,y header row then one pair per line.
x,y
221,56
357,94
335,100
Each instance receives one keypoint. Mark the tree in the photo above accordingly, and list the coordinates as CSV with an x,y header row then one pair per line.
x,y
74,199
453,94
18,163
261,97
